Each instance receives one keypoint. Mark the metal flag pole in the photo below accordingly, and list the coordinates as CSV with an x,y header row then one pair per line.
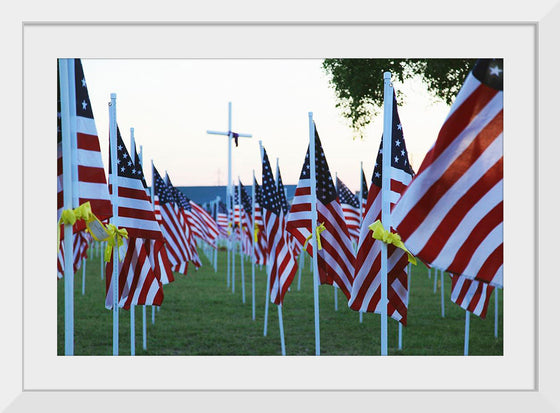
x,y
84,277
132,315
435,279
361,215
144,337
114,218
217,244
267,298
241,255
280,320
254,196
442,288
496,312
386,199
301,264
63,65
101,258
313,181
467,331
230,134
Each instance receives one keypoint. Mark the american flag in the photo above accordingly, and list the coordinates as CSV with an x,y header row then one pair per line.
x,y
451,215
185,207
282,263
471,295
244,220
260,245
336,258
282,192
209,225
81,242
222,218
364,186
366,291
173,225
88,175
350,208
138,283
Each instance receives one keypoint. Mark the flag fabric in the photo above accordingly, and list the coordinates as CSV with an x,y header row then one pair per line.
x,y
336,258
209,225
350,208
282,264
471,295
244,219
173,225
451,215
366,291
81,242
363,201
135,210
184,205
293,242
88,174
260,245
138,282
222,219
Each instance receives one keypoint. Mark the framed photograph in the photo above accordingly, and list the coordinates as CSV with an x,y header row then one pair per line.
x,y
522,378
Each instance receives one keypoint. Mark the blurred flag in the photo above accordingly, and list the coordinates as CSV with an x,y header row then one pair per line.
x,y
363,201
222,219
282,264
81,242
350,208
366,291
336,257
471,295
451,215
260,246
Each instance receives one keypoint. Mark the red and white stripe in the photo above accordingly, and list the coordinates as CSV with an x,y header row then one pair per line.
x,y
451,215
159,261
260,245
352,218
81,243
138,284
336,258
366,291
470,295
203,224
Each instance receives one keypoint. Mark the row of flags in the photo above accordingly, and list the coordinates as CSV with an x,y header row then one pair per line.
x,y
162,232
449,214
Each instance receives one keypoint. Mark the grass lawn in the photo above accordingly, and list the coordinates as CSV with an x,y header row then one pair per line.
x,y
201,316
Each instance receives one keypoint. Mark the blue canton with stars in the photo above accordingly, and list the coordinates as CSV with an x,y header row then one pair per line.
x,y
126,166
179,197
282,194
364,186
345,195
399,154
163,191
326,191
490,72
270,198
246,200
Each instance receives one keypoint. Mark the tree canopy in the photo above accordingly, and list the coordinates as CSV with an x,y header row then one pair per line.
x,y
358,83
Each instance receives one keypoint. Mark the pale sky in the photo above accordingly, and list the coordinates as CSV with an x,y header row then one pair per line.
x,y
171,103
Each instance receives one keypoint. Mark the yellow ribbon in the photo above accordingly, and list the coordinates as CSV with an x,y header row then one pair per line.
x,y
388,237
115,237
256,231
319,229
229,229
70,216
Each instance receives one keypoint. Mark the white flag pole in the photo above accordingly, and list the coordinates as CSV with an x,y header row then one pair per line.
x,y
281,324
386,199
496,312
334,283
301,264
435,279
114,219
63,65
442,293
361,215
254,196
241,254
429,273
84,277
267,299
101,244
132,315
467,328
313,181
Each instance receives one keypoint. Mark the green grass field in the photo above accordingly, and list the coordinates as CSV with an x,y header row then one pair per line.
x,y
201,316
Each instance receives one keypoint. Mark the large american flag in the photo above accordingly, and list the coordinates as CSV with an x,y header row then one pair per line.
x,y
336,258
173,224
138,283
282,263
260,245
471,295
451,215
350,208
366,291
88,174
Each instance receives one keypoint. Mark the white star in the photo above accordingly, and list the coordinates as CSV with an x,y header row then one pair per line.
x,y
402,152
398,143
84,104
122,169
124,155
399,126
84,82
129,163
118,161
396,158
134,171
119,147
495,71
377,174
